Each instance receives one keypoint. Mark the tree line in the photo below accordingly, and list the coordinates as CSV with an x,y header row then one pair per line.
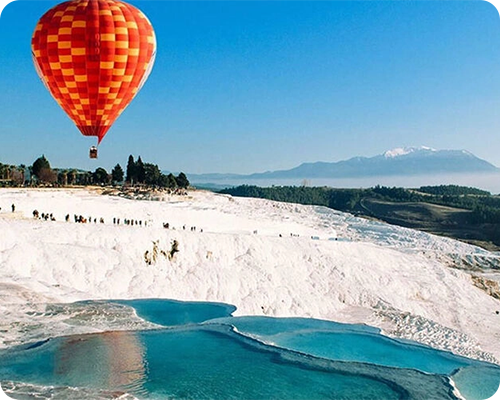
x,y
453,190
485,207
137,173
150,174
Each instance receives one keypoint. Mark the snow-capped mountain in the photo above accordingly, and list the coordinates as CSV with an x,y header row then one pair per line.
x,y
403,151
399,161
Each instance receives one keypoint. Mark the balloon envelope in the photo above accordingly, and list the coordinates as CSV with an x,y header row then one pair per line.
x,y
93,56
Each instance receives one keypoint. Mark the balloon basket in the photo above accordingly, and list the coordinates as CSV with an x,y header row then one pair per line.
x,y
93,152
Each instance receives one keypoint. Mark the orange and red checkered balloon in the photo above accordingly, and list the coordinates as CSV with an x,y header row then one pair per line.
x,y
93,56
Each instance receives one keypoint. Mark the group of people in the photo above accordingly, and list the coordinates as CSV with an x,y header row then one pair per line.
x,y
131,222
43,216
80,219
116,221
166,225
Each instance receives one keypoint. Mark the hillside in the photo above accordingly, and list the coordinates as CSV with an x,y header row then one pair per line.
x,y
433,218
464,213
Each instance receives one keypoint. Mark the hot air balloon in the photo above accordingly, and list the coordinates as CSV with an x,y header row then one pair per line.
x,y
93,56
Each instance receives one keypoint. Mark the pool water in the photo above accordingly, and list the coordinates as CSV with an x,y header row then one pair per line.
x,y
202,352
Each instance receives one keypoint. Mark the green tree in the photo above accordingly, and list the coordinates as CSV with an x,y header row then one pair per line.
x,y
40,164
100,176
162,181
71,177
140,171
86,178
182,181
152,174
131,174
62,177
117,174
171,181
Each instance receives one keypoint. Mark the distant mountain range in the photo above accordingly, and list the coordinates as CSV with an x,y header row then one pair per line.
x,y
399,161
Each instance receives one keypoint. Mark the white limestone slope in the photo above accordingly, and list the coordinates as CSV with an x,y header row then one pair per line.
x,y
397,279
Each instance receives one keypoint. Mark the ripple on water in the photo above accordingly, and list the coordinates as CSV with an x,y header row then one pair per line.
x,y
206,362
201,356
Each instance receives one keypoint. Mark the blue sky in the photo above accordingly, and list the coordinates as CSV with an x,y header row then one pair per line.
x,y
253,86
